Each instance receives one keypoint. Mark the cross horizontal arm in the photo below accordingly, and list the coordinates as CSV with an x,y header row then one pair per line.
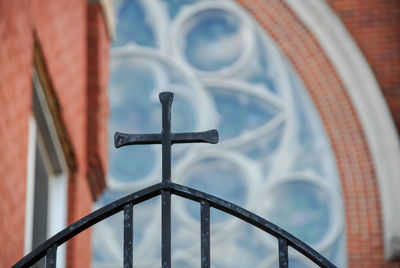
x,y
122,139
210,136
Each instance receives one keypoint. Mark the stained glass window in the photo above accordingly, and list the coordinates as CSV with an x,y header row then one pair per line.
x,y
274,157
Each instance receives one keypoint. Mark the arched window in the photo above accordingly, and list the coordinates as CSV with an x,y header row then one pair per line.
x,y
274,157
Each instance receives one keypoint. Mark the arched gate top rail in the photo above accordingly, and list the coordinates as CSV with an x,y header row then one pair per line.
x,y
127,203
165,189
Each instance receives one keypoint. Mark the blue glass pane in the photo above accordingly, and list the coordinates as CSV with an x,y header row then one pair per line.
x,y
130,99
219,178
104,230
181,264
132,25
143,218
240,112
335,253
261,73
174,6
265,147
109,196
214,42
261,78
310,162
129,86
295,263
301,208
127,164
236,258
183,115
249,240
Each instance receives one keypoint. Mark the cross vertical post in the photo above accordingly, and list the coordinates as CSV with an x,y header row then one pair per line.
x,y
166,99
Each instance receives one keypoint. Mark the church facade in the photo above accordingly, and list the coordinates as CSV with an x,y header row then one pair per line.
x,y
305,95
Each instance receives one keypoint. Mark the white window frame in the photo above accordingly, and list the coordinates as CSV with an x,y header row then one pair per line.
x,y
42,132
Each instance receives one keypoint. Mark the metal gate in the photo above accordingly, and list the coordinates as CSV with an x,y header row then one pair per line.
x,y
166,188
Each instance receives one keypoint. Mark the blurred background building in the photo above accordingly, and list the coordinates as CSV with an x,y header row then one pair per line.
x,y
54,110
305,95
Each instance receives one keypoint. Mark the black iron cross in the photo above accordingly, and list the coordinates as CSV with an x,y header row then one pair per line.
x,y
166,138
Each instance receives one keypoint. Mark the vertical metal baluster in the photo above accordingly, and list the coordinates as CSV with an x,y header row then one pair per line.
x,y
165,229
166,99
205,234
51,257
128,236
283,254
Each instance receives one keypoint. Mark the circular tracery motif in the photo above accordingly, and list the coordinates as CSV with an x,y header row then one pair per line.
x,y
273,158
212,38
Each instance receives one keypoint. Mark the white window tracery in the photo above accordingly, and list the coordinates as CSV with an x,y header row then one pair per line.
x,y
274,157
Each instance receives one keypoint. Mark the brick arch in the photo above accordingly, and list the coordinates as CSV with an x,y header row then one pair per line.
x,y
355,165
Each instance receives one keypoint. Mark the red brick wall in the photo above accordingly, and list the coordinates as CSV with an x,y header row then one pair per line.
x,y
375,26
360,190
98,55
82,191
61,29
16,61
79,205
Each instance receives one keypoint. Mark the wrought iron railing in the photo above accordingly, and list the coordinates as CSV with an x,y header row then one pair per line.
x,y
284,239
165,189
